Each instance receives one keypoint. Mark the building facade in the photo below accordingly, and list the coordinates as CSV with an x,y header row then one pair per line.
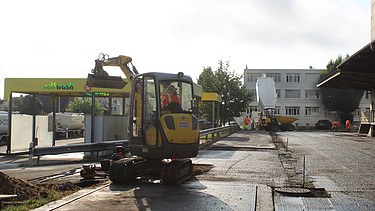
x,y
298,96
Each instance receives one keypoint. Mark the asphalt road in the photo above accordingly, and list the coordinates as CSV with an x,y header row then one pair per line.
x,y
244,164
342,163
247,161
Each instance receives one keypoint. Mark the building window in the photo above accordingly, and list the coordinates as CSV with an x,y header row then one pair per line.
x,y
293,77
312,111
330,112
292,111
253,108
312,78
357,112
252,77
312,94
278,93
292,93
276,76
276,110
367,93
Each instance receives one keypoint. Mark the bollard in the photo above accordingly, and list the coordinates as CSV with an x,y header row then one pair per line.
x,y
30,161
304,170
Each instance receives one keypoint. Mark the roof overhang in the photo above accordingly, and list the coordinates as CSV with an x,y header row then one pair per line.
x,y
62,87
357,71
210,96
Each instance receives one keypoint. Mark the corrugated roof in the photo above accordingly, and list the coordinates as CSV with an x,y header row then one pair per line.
x,y
357,71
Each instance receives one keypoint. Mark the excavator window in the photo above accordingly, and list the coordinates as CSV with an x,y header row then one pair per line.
x,y
149,102
144,110
176,96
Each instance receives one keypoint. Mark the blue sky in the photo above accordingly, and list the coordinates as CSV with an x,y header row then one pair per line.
x,y
61,39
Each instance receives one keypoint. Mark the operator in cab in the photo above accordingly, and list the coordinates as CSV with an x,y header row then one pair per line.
x,y
170,100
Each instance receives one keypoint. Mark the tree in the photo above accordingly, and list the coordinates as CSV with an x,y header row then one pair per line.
x,y
345,101
228,84
84,105
3,105
24,104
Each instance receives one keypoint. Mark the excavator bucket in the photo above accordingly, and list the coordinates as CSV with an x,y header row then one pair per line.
x,y
104,81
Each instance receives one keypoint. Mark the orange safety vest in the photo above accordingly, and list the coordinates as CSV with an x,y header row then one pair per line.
x,y
167,98
247,121
335,124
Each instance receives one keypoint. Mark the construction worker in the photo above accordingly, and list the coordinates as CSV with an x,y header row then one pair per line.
x,y
348,123
170,95
335,125
246,123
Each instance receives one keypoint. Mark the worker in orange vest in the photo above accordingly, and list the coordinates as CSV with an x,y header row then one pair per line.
x,y
170,95
246,123
348,123
335,125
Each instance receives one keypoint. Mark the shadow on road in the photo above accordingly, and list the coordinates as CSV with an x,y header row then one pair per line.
x,y
155,196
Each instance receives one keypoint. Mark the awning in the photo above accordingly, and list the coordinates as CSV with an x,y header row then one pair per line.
x,y
62,87
357,71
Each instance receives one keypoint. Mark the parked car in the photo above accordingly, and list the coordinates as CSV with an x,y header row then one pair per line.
x,y
204,124
231,123
323,124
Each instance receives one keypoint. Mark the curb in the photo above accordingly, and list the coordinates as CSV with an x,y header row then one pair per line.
x,y
264,198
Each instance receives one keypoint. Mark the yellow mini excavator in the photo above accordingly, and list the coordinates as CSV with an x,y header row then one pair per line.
x,y
163,132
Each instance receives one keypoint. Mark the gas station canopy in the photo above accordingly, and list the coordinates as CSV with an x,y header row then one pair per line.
x,y
63,87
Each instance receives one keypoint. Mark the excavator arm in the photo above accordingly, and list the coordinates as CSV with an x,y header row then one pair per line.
x,y
100,78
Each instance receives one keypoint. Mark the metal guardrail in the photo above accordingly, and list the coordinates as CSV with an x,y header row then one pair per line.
x,y
227,129
88,147
109,145
214,130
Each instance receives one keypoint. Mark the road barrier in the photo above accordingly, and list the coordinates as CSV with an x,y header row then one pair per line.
x,y
88,147
216,133
110,145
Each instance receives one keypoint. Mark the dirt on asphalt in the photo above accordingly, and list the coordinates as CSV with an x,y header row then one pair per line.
x,y
23,189
292,169
26,190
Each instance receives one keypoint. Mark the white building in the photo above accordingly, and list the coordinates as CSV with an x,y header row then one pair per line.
x,y
298,95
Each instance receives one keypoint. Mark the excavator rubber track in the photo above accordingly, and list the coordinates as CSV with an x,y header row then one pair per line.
x,y
126,169
171,173
176,171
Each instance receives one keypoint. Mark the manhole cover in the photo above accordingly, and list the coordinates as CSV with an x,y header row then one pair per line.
x,y
295,191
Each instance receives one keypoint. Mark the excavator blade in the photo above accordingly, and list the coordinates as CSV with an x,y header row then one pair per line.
x,y
104,81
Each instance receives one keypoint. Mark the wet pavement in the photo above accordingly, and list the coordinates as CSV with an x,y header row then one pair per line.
x,y
247,166
243,163
191,195
340,163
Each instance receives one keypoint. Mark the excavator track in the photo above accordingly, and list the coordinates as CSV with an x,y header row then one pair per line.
x,y
176,171
126,169
172,173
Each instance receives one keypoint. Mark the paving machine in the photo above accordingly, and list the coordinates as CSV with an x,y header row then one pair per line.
x,y
163,132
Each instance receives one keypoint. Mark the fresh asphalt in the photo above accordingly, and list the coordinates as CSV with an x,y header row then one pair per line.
x,y
246,169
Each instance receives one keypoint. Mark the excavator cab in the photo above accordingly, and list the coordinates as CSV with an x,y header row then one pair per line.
x,y
162,125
